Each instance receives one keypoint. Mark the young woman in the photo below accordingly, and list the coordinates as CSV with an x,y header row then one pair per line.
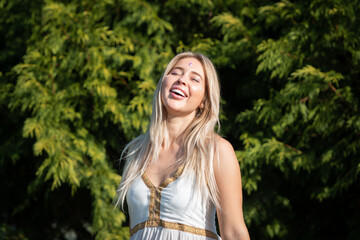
x,y
180,172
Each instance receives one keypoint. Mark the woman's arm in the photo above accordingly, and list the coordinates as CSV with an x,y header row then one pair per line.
x,y
228,179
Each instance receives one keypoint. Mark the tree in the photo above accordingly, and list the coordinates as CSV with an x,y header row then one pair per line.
x,y
301,139
77,79
85,83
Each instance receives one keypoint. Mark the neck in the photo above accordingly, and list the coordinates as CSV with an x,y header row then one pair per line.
x,y
176,126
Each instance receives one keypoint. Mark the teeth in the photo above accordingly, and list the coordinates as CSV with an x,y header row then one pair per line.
x,y
178,92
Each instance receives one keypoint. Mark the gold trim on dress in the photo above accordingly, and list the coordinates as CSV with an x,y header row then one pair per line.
x,y
164,183
155,205
174,226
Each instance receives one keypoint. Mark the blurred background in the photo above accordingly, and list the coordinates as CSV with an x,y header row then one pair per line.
x,y
76,82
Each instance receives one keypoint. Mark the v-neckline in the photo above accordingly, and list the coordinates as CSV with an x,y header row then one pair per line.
x,y
164,183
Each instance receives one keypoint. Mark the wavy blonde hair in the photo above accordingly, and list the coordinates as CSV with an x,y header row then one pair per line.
x,y
198,150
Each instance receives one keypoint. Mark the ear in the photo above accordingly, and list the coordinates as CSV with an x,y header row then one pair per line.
x,y
201,106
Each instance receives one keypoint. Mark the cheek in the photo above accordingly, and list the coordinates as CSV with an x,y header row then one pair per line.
x,y
198,90
162,95
164,88
166,84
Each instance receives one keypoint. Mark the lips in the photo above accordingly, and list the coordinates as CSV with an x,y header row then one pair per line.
x,y
178,92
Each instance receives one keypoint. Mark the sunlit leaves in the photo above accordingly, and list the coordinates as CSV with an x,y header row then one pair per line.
x,y
79,77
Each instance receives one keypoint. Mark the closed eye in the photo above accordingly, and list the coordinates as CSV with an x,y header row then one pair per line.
x,y
176,72
196,79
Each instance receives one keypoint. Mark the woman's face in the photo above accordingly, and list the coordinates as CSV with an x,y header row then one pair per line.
x,y
184,88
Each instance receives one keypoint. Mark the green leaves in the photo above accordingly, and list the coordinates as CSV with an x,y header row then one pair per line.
x,y
302,130
77,79
81,80
276,58
231,26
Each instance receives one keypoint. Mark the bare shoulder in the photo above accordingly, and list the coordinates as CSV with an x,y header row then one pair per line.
x,y
227,158
223,144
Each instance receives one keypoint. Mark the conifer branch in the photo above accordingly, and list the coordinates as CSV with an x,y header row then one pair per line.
x,y
292,148
339,95
303,100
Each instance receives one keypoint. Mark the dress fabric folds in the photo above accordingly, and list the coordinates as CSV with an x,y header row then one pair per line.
x,y
173,210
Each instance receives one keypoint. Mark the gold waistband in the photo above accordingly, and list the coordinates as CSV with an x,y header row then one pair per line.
x,y
174,226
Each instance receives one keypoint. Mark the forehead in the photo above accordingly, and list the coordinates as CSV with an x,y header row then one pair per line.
x,y
191,64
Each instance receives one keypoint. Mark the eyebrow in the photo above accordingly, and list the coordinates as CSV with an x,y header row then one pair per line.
x,y
182,69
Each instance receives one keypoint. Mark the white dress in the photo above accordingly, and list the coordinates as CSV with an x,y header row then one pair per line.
x,y
170,211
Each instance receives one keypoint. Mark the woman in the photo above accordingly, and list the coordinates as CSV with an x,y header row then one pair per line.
x,y
180,171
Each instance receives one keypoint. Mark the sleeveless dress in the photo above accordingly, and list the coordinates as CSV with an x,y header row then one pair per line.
x,y
170,211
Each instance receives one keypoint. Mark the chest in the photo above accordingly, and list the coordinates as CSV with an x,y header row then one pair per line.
x,y
163,167
177,201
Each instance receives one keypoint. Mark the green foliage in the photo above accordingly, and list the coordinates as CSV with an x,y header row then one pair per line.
x,y
307,126
77,79
80,80
6,232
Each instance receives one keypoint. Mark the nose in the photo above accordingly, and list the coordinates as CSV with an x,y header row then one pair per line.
x,y
181,80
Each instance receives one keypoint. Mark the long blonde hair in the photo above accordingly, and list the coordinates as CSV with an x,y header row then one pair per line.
x,y
198,151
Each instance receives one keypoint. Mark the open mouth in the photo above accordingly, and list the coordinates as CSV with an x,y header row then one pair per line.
x,y
178,92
